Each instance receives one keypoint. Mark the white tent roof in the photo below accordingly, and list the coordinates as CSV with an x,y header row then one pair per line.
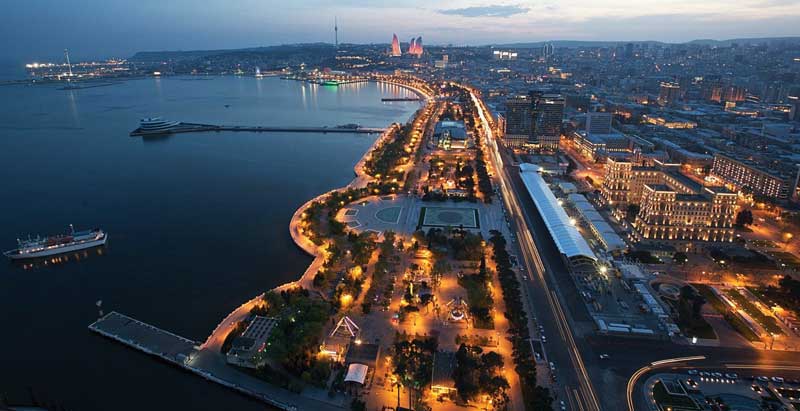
x,y
567,238
356,373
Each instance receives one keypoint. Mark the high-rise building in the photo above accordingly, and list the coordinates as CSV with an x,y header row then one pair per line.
x,y
517,121
547,116
547,50
670,93
415,46
598,123
396,46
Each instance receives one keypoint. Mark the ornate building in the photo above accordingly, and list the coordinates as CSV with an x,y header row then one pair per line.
x,y
672,207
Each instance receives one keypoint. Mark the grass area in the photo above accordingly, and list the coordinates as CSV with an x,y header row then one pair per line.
x,y
772,296
741,327
767,321
733,320
711,298
480,301
699,329
695,327
675,402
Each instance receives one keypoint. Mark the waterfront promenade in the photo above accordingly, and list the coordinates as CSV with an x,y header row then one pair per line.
x,y
206,359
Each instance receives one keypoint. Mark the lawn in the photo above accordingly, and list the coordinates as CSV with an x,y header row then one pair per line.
x,y
767,321
733,320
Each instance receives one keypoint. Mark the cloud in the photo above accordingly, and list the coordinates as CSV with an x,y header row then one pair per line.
x,y
486,11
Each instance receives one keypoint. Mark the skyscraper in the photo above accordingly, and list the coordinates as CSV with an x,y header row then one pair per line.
x,y
518,121
547,114
396,46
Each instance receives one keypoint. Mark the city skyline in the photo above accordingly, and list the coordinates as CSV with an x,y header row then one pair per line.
x,y
33,30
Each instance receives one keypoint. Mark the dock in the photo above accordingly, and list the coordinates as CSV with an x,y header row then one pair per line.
x,y
197,128
145,337
386,99
208,363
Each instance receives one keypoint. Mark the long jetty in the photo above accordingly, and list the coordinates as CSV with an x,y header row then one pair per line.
x,y
189,355
197,128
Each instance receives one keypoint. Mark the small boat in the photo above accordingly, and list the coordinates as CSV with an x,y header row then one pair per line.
x,y
58,244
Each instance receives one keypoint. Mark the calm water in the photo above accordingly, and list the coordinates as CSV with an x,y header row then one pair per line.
x,y
198,223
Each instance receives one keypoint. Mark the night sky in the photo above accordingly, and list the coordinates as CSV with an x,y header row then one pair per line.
x,y
40,29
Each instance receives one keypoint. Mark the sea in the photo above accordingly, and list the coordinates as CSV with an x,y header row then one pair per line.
x,y
197,222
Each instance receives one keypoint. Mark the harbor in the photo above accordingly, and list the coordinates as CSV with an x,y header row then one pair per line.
x,y
203,360
179,128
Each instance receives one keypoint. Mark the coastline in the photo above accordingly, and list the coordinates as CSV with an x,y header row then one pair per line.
x,y
206,358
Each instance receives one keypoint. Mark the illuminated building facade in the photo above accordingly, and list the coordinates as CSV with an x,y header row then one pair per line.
x,y
517,121
747,176
665,214
548,115
415,46
672,207
396,52
504,55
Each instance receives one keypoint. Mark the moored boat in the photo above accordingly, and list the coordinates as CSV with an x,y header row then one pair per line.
x,y
58,244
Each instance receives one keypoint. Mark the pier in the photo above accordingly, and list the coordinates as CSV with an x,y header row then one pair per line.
x,y
387,99
207,361
197,128
145,337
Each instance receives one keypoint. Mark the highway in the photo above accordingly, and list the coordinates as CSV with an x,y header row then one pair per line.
x,y
543,294
584,381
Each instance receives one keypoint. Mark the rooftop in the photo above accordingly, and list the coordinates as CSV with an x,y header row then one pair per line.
x,y
567,238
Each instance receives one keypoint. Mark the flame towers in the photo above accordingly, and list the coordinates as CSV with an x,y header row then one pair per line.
x,y
396,46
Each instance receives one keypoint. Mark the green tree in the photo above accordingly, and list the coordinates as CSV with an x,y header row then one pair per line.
x,y
744,218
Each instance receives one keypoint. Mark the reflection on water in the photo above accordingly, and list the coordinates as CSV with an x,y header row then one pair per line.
x,y
66,258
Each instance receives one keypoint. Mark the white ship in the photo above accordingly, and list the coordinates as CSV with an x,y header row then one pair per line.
x,y
59,244
156,125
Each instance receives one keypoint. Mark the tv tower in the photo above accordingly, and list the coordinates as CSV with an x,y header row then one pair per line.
x,y
336,32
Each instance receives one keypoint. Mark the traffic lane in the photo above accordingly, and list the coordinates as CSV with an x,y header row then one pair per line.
x,y
627,355
536,292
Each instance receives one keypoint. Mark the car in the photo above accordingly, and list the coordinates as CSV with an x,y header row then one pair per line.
x,y
705,374
732,376
762,379
778,380
544,339
537,355
692,372
692,383
603,356
716,374
563,405
756,388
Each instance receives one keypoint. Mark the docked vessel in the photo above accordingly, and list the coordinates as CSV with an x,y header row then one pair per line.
x,y
156,125
58,244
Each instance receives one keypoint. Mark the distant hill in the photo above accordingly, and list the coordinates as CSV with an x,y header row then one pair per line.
x,y
703,42
179,55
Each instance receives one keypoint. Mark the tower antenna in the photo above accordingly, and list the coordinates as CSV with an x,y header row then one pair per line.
x,y
336,31
69,65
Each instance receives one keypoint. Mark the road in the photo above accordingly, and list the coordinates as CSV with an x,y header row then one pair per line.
x,y
543,291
